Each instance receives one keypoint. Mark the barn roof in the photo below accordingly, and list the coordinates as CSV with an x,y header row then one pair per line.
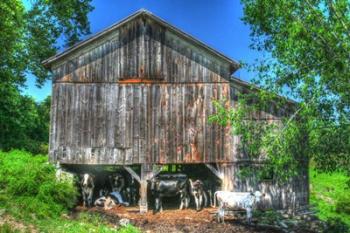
x,y
141,13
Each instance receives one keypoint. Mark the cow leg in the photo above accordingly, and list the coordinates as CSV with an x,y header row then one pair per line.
x,y
182,203
84,199
205,198
210,194
161,204
84,205
200,202
187,199
249,214
90,198
221,214
157,204
184,200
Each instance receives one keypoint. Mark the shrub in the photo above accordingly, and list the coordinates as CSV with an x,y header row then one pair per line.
x,y
336,225
30,188
343,205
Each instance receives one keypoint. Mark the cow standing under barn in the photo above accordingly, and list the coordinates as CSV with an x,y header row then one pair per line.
x,y
198,193
170,185
87,187
236,200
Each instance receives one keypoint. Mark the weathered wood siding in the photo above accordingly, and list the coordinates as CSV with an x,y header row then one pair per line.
x,y
137,123
143,49
291,195
142,94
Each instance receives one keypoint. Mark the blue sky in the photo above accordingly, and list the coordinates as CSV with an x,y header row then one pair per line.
x,y
217,23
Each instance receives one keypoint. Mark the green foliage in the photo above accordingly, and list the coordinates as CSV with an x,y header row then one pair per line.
x,y
47,21
30,192
330,195
307,46
30,189
7,228
27,37
24,124
279,144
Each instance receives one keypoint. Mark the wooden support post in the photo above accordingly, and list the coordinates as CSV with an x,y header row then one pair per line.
x,y
217,173
146,174
227,169
132,173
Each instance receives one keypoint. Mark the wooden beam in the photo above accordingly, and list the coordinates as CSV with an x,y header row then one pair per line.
x,y
217,173
227,170
146,173
133,173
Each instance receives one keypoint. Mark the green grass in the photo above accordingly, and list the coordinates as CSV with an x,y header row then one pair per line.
x,y
330,195
85,222
30,193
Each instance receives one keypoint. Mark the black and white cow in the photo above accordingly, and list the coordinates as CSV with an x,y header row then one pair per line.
x,y
170,185
198,193
100,201
87,188
132,192
117,182
210,187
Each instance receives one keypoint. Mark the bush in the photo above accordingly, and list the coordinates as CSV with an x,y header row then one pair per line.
x,y
30,188
343,205
336,225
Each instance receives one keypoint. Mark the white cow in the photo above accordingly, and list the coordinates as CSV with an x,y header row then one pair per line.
x,y
236,200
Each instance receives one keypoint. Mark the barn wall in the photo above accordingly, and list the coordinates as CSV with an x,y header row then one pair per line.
x,y
137,123
292,195
141,49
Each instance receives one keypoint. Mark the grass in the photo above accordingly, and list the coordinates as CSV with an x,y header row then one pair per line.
x,y
330,195
85,222
32,196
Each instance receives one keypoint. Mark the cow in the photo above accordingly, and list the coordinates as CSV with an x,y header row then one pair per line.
x,y
117,182
87,188
199,194
132,192
210,187
170,185
103,193
236,200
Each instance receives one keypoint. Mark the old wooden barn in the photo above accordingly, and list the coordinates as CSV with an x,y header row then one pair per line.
x,y
140,93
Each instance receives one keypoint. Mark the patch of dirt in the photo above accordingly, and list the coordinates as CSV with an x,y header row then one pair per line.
x,y
175,220
16,225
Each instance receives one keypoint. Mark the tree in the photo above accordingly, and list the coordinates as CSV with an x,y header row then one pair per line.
x,y
306,47
306,57
26,38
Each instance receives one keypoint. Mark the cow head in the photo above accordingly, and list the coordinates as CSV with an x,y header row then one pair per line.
x,y
87,180
258,195
117,181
